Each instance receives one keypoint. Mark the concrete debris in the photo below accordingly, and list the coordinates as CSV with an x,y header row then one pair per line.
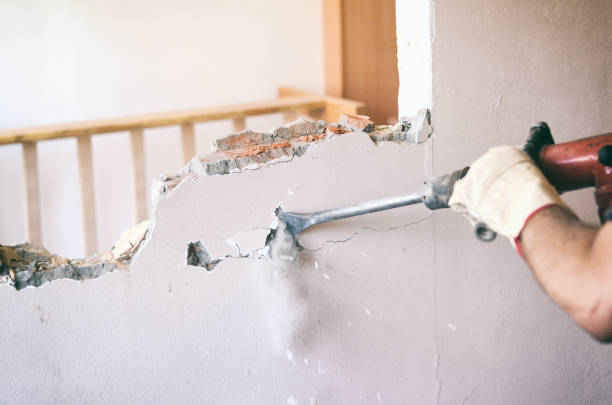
x,y
408,130
239,233
164,184
356,122
257,149
129,242
298,128
242,139
336,129
252,150
27,265
249,150
197,255
248,138
246,244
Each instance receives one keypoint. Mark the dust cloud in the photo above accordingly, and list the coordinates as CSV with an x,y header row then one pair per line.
x,y
283,302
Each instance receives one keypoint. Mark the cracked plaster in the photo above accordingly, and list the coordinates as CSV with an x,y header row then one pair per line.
x,y
178,333
350,280
27,265
345,287
257,151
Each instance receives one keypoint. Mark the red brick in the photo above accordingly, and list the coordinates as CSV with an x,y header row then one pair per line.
x,y
356,122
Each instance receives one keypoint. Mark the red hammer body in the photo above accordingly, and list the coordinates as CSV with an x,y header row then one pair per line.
x,y
579,164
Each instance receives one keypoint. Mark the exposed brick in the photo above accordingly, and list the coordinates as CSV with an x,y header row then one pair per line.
x,y
298,128
356,122
252,149
242,140
256,150
335,130
311,137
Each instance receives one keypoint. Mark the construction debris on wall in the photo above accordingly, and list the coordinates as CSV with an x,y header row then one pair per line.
x,y
26,265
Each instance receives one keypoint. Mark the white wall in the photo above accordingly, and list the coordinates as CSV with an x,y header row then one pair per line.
x,y
450,320
499,67
71,60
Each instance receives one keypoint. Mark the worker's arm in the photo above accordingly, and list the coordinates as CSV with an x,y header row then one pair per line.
x,y
572,263
505,190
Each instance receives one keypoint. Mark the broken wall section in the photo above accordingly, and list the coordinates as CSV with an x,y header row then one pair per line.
x,y
27,265
249,150
329,328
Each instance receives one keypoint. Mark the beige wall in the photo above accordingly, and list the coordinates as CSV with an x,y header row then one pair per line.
x,y
498,67
73,60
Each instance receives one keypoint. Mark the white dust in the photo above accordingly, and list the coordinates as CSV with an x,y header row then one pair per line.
x,y
282,300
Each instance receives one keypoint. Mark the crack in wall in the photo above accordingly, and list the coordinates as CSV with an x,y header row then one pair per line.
x,y
371,229
249,150
27,265
282,145
197,255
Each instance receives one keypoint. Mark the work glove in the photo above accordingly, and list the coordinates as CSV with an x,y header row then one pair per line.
x,y
503,189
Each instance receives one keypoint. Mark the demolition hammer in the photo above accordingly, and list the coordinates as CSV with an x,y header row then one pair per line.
x,y
567,166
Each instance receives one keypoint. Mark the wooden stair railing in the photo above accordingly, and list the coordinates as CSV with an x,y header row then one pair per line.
x,y
291,103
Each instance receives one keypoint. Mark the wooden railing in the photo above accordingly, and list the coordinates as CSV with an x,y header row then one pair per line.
x,y
291,103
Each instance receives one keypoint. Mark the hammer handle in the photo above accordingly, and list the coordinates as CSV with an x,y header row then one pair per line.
x,y
575,165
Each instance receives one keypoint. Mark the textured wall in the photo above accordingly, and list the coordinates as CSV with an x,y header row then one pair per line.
x,y
421,313
497,68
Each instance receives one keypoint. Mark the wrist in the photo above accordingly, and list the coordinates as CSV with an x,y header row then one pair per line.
x,y
532,221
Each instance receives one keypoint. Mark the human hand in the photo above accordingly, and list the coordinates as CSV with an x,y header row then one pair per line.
x,y
503,189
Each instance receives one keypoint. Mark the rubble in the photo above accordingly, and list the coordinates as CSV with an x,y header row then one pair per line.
x,y
27,265
356,122
249,150
197,255
409,130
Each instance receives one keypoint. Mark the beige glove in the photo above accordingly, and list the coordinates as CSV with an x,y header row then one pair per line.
x,y
503,189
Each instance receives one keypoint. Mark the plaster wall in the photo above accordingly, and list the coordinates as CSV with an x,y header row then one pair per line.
x,y
73,60
348,322
421,313
498,67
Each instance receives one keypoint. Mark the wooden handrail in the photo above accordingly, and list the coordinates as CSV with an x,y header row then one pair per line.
x,y
100,126
334,106
291,103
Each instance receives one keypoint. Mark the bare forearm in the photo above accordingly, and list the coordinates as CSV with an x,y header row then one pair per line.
x,y
570,261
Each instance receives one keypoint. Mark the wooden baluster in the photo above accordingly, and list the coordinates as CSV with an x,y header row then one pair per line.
x,y
88,199
188,141
239,124
139,174
30,165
